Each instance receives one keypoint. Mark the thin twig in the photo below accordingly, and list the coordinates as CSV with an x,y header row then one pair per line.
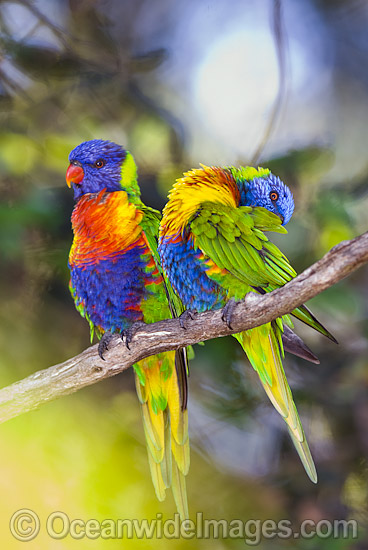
x,y
281,50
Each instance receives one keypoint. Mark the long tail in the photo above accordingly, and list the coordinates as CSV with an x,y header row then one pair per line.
x,y
263,347
165,421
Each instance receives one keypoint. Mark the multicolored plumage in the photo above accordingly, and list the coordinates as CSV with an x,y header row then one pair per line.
x,y
213,249
116,282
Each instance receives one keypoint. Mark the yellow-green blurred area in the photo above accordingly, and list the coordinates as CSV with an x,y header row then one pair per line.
x,y
179,82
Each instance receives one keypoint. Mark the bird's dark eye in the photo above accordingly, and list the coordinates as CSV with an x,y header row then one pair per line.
x,y
99,163
274,196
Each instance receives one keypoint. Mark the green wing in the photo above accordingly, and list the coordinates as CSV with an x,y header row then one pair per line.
x,y
234,239
150,224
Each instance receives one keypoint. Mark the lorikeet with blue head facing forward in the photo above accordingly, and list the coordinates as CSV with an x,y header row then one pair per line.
x,y
213,250
116,282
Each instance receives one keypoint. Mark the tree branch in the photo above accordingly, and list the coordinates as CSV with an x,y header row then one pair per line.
x,y
87,368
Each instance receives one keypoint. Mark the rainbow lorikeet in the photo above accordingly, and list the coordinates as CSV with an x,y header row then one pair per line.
x,y
214,251
116,283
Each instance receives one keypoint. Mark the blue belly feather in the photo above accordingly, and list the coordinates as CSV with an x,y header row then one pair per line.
x,y
111,289
187,275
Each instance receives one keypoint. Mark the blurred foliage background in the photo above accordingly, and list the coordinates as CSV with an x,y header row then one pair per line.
x,y
180,82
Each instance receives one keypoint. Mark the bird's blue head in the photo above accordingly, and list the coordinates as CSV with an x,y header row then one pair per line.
x,y
268,191
99,164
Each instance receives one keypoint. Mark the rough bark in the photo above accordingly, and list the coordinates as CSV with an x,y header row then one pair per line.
x,y
87,368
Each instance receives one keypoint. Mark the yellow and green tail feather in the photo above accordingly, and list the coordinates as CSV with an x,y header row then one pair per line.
x,y
165,422
262,346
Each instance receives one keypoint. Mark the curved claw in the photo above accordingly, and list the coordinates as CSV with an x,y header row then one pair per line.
x,y
185,316
128,334
103,344
227,312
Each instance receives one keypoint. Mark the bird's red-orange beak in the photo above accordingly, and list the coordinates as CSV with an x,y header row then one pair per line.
x,y
74,174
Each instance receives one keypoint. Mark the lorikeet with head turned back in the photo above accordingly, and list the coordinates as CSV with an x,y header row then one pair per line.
x,y
116,282
213,250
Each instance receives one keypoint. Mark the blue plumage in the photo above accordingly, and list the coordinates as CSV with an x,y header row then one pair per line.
x,y
181,269
101,162
111,292
258,192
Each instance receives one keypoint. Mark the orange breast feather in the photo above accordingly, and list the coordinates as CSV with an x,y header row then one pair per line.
x,y
104,225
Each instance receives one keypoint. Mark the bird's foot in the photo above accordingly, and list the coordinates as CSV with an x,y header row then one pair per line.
x,y
185,316
227,312
128,333
103,344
